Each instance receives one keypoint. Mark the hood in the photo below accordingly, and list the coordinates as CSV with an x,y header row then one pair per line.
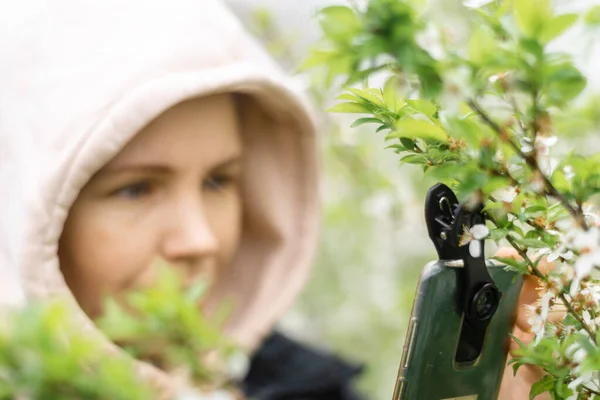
x,y
80,79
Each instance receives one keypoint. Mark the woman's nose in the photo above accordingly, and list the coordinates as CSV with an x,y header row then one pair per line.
x,y
188,234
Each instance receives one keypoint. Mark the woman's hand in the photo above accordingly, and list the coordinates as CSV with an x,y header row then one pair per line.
x,y
518,387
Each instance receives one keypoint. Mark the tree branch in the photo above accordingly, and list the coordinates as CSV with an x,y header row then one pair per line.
x,y
533,164
544,278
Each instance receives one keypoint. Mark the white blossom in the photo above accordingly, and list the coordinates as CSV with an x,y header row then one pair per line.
x,y
541,145
545,303
592,293
590,214
585,241
593,323
587,244
586,263
473,236
538,184
569,173
526,145
569,330
581,380
559,252
575,285
537,323
564,224
572,349
506,195
538,315
547,141
554,254
548,164
556,278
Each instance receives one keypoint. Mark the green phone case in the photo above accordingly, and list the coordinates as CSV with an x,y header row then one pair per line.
x,y
428,370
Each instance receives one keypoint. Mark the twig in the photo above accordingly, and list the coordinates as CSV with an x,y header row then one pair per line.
x,y
533,164
523,254
515,108
534,113
584,325
591,390
544,278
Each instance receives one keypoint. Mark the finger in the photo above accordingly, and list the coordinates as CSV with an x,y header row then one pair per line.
x,y
529,292
545,266
508,252
524,337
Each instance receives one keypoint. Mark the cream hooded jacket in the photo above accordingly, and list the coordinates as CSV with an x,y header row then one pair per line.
x,y
78,79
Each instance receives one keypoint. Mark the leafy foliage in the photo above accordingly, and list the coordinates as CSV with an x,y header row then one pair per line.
x,y
483,115
45,354
164,325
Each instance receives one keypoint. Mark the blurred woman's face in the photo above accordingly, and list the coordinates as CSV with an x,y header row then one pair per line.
x,y
172,192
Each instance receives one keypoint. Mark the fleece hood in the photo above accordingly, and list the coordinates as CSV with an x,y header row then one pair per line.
x,y
79,79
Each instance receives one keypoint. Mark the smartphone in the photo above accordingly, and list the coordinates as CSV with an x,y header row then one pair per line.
x,y
439,361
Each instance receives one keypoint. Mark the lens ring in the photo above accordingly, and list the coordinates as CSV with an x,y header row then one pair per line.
x,y
485,303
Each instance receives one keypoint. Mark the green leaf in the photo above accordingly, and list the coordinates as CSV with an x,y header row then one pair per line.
x,y
556,211
518,342
342,64
348,107
498,234
466,129
398,148
414,128
339,22
408,143
472,180
592,17
559,180
371,97
493,206
533,243
482,45
347,97
532,46
197,291
557,26
544,385
318,57
361,121
423,106
414,159
532,15
562,83
390,93
535,209
520,266
383,127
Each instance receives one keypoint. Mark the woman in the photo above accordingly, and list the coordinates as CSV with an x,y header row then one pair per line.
x,y
132,130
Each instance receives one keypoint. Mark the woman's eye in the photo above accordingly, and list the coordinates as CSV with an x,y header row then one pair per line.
x,y
134,191
216,182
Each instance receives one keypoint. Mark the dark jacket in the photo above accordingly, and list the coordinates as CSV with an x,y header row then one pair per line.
x,y
283,369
